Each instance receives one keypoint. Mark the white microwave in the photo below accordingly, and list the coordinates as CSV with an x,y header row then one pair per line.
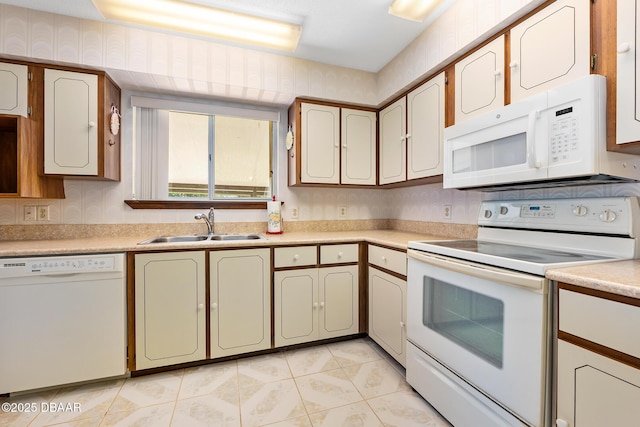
x,y
554,138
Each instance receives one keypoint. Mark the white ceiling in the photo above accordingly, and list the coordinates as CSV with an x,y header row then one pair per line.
x,y
357,34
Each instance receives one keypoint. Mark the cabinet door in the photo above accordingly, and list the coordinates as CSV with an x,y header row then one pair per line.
x,y
320,144
393,138
70,123
425,122
240,300
358,147
14,84
595,391
169,308
479,81
388,313
338,301
628,73
295,306
550,48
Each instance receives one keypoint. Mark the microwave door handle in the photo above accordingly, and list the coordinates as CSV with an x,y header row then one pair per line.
x,y
532,158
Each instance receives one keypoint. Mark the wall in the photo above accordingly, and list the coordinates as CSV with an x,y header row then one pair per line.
x,y
148,61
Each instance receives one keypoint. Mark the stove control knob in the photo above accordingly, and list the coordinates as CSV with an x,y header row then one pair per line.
x,y
608,215
580,210
488,213
503,210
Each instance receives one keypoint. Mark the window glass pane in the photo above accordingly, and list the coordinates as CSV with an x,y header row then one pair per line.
x,y
242,157
470,319
188,173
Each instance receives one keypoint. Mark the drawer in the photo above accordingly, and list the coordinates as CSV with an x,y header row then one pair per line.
x,y
334,254
389,259
295,256
605,322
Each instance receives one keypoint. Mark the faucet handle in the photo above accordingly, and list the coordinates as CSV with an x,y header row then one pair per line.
x,y
211,214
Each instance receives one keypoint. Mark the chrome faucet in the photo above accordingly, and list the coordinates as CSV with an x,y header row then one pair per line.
x,y
208,218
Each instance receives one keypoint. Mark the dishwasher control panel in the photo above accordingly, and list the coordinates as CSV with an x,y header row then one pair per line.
x,y
24,267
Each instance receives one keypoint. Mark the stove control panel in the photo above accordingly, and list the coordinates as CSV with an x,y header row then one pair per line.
x,y
608,215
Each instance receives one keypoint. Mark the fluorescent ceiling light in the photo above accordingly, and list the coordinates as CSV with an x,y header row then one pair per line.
x,y
413,10
205,21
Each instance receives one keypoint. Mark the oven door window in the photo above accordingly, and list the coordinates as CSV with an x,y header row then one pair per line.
x,y
470,319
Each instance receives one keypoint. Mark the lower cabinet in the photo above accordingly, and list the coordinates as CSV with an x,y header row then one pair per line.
x,y
315,303
388,313
598,368
240,301
169,308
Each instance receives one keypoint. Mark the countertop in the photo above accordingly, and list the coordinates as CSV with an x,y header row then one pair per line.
x,y
391,238
616,277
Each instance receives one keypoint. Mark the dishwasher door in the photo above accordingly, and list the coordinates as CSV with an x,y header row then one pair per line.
x,y
62,320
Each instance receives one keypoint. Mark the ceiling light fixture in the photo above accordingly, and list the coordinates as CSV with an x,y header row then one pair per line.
x,y
205,21
413,10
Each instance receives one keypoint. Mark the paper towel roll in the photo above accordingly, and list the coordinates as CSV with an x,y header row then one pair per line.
x,y
274,223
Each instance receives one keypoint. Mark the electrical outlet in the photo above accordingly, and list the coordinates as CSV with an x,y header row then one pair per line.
x,y
294,212
446,211
30,213
342,211
43,213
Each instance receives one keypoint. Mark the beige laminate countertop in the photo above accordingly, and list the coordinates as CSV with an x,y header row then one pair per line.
x,y
391,238
617,277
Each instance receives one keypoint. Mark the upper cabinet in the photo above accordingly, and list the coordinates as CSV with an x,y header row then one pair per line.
x,y
14,84
479,81
332,144
393,147
425,129
550,48
81,130
411,134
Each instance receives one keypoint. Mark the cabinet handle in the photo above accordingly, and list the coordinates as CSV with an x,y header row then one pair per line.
x,y
384,258
513,64
315,305
624,47
408,135
339,255
200,307
214,306
402,325
322,304
92,124
296,257
561,423
497,73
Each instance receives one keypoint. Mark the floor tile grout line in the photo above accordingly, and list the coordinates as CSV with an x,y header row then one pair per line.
x,y
175,402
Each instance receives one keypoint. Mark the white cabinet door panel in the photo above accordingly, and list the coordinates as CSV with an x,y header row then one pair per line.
x,y
320,144
338,301
393,149
425,115
358,147
479,81
70,123
295,306
550,48
240,301
388,313
14,84
628,73
169,307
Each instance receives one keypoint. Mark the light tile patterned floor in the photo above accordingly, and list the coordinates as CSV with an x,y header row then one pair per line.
x,y
350,383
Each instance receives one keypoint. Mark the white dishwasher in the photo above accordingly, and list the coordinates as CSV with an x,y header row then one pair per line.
x,y
62,320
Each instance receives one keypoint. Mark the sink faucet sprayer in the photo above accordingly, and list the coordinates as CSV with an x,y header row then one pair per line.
x,y
208,219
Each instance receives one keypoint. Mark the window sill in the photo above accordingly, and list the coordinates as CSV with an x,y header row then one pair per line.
x,y
196,204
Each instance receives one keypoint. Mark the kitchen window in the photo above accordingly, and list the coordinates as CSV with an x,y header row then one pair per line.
x,y
189,151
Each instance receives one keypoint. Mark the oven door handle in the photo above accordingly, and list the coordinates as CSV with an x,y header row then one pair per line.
x,y
522,280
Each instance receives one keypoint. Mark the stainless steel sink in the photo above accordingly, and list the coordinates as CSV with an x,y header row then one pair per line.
x,y
200,238
236,237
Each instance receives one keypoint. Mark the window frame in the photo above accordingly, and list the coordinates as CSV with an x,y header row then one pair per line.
x,y
250,111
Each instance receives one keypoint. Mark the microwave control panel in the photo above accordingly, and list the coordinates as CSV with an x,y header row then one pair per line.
x,y
564,135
